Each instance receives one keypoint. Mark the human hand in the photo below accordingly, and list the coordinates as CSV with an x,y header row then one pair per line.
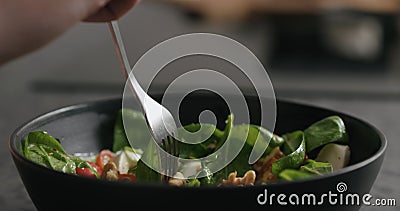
x,y
27,25
111,11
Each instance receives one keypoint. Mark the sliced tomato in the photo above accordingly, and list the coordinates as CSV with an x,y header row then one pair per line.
x,y
103,157
127,177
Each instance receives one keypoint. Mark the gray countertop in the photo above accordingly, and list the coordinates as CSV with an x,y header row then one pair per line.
x,y
81,66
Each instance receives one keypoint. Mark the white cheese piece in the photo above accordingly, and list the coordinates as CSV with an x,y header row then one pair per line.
x,y
125,160
336,154
191,168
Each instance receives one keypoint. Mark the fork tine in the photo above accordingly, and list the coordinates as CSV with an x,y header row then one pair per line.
x,y
168,149
164,161
175,147
170,158
174,152
169,162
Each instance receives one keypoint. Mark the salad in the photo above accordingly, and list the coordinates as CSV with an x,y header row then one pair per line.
x,y
321,148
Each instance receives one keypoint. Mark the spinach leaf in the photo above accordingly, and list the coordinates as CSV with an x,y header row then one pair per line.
x,y
327,130
223,135
293,160
188,150
310,169
33,151
144,173
193,182
36,154
240,163
43,149
259,138
206,177
315,167
140,130
58,161
42,137
228,127
292,141
293,174
120,139
275,141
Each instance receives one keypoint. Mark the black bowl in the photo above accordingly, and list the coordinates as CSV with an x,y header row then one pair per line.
x,y
88,127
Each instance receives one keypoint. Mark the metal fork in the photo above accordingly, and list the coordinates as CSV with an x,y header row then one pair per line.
x,y
159,120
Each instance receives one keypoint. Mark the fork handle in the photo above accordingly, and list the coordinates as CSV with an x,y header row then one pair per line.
x,y
119,47
124,62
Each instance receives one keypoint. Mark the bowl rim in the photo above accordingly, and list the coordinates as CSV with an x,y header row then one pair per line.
x,y
86,105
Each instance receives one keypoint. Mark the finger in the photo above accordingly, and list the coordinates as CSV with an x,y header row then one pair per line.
x,y
112,11
104,14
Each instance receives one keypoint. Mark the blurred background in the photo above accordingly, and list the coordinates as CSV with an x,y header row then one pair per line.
x,y
339,54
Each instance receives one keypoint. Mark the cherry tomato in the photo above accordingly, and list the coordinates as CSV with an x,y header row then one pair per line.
x,y
103,157
96,167
86,172
127,177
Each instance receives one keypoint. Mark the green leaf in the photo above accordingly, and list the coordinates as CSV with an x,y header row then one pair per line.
x,y
193,183
42,137
36,154
188,150
276,141
144,173
292,161
120,139
138,130
45,150
328,130
205,177
315,167
259,139
292,141
292,174
240,163
58,161
227,130
310,169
